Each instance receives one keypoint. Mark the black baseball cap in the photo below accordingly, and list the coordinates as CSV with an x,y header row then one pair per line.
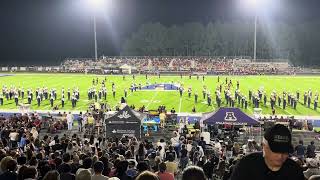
x,y
279,139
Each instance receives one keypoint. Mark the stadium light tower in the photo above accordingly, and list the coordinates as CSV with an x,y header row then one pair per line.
x,y
95,5
255,31
254,5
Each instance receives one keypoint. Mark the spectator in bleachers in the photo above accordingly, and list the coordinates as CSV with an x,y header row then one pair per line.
x,y
83,174
311,150
193,173
163,174
52,175
273,162
172,166
10,172
313,168
98,168
147,175
217,65
300,150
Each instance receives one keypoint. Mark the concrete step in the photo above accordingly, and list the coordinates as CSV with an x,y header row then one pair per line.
x,y
306,137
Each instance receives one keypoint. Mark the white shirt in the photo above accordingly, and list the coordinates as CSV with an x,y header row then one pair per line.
x,y
189,147
52,143
175,141
84,119
162,152
162,144
206,137
13,136
99,177
217,146
244,147
201,151
35,134
69,118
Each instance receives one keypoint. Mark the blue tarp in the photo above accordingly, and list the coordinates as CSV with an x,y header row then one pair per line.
x,y
164,86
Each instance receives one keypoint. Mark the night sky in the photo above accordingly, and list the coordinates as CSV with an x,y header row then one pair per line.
x,y
44,32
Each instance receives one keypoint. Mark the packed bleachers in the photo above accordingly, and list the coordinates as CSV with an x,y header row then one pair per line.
x,y
160,63
169,65
209,65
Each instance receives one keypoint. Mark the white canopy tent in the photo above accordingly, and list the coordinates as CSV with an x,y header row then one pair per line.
x,y
126,69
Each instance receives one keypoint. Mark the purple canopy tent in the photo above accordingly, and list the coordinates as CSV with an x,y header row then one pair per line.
x,y
233,116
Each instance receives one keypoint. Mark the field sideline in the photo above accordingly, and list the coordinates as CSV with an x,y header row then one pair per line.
x,y
152,99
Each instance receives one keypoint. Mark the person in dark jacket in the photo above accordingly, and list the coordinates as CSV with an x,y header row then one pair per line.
x,y
311,150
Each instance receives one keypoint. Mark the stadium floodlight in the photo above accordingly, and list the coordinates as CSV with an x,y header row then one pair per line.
x,y
255,37
95,38
95,5
254,5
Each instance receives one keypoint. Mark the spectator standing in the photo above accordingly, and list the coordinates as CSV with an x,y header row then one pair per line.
x,y
90,121
80,119
163,174
14,137
184,159
70,121
300,150
311,150
172,166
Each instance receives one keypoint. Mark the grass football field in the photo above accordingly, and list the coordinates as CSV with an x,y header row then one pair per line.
x,y
171,99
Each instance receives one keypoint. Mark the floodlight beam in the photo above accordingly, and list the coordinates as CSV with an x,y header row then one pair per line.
x,y
96,3
254,5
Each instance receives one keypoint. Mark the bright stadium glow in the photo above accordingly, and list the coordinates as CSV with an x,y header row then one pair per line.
x,y
98,9
96,4
99,5
252,3
255,5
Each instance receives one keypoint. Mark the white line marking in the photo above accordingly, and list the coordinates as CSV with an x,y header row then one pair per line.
x,y
180,104
150,102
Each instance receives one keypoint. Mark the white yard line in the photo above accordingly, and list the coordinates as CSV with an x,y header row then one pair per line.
x,y
150,102
180,104
287,112
250,109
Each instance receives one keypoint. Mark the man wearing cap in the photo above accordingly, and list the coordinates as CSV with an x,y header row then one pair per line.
x,y
273,163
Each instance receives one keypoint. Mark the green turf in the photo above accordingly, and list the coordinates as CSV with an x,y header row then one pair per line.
x,y
152,99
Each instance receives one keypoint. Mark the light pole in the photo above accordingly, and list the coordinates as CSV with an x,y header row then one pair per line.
x,y
254,6
96,4
95,38
255,38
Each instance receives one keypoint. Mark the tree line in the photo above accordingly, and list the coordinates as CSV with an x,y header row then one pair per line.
x,y
297,42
